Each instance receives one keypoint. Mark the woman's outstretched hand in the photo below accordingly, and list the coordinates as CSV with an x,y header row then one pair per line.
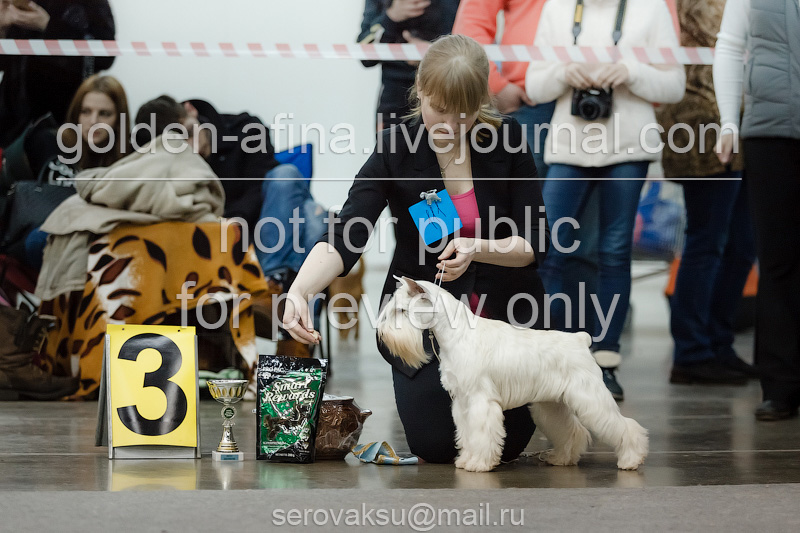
x,y
297,319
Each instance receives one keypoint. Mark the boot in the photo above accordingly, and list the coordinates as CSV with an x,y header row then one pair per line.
x,y
20,337
609,362
20,379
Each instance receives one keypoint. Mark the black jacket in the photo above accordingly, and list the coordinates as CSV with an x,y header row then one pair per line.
x,y
242,173
502,180
33,86
397,77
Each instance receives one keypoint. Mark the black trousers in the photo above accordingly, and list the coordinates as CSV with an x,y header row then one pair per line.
x,y
424,408
772,170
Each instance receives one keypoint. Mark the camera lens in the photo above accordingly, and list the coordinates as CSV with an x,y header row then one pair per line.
x,y
590,108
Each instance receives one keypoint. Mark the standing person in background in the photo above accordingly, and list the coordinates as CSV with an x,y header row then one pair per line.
x,y
402,21
719,250
33,86
478,19
767,33
619,170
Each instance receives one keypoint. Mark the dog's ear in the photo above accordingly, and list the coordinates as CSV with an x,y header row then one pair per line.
x,y
413,287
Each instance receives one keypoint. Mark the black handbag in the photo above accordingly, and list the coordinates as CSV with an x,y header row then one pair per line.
x,y
29,203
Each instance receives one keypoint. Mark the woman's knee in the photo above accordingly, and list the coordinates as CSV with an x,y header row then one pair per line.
x,y
519,430
433,451
437,448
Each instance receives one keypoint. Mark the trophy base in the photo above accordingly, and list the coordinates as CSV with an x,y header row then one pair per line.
x,y
227,456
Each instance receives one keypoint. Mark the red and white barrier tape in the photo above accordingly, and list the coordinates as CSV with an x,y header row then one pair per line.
x,y
383,52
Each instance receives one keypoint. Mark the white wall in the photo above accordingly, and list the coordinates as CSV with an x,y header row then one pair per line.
x,y
321,91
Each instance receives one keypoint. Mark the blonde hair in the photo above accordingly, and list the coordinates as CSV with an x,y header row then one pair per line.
x,y
454,74
111,87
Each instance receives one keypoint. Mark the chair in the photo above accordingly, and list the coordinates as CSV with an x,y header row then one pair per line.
x,y
301,156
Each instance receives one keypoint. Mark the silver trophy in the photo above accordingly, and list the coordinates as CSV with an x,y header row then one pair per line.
x,y
227,392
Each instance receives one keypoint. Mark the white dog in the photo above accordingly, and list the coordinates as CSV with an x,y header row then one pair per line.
x,y
489,366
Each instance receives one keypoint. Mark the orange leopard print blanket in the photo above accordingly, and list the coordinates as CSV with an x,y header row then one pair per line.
x,y
135,274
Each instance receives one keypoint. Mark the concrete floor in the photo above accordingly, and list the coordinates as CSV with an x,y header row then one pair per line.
x,y
703,436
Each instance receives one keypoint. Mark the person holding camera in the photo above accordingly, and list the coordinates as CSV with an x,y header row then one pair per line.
x,y
399,22
603,136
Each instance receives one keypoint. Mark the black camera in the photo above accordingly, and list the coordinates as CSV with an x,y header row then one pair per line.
x,y
591,104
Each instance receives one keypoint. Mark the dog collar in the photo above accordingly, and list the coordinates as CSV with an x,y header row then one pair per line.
x,y
430,344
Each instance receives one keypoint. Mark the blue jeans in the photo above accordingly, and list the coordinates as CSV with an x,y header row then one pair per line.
x,y
294,221
530,117
718,255
566,193
582,264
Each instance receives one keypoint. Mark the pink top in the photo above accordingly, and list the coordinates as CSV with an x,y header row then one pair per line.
x,y
467,208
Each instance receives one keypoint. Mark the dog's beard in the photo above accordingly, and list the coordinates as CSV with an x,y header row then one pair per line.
x,y
402,335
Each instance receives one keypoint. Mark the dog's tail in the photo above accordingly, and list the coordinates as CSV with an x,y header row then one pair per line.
x,y
586,338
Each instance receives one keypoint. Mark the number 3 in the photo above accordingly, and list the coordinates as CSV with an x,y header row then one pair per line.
x,y
171,361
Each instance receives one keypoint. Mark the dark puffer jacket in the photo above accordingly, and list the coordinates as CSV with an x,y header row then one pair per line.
x,y
397,77
34,86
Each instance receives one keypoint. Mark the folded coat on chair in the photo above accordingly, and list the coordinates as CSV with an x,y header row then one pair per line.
x,y
142,188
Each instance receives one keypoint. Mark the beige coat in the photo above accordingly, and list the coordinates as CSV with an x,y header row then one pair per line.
x,y
142,188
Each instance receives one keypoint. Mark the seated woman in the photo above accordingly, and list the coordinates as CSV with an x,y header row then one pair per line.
x,y
90,137
257,188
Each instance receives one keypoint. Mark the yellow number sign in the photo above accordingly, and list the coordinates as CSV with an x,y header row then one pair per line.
x,y
152,377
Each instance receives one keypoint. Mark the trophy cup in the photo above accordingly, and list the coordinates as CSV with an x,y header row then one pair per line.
x,y
227,392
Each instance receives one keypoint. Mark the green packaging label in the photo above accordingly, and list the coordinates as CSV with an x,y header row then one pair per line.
x,y
289,397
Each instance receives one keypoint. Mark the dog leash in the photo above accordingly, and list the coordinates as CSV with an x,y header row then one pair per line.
x,y
431,336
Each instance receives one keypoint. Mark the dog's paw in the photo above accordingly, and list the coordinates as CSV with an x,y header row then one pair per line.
x,y
552,457
477,464
630,463
462,460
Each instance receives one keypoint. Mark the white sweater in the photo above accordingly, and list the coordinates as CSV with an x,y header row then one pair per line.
x,y
647,23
